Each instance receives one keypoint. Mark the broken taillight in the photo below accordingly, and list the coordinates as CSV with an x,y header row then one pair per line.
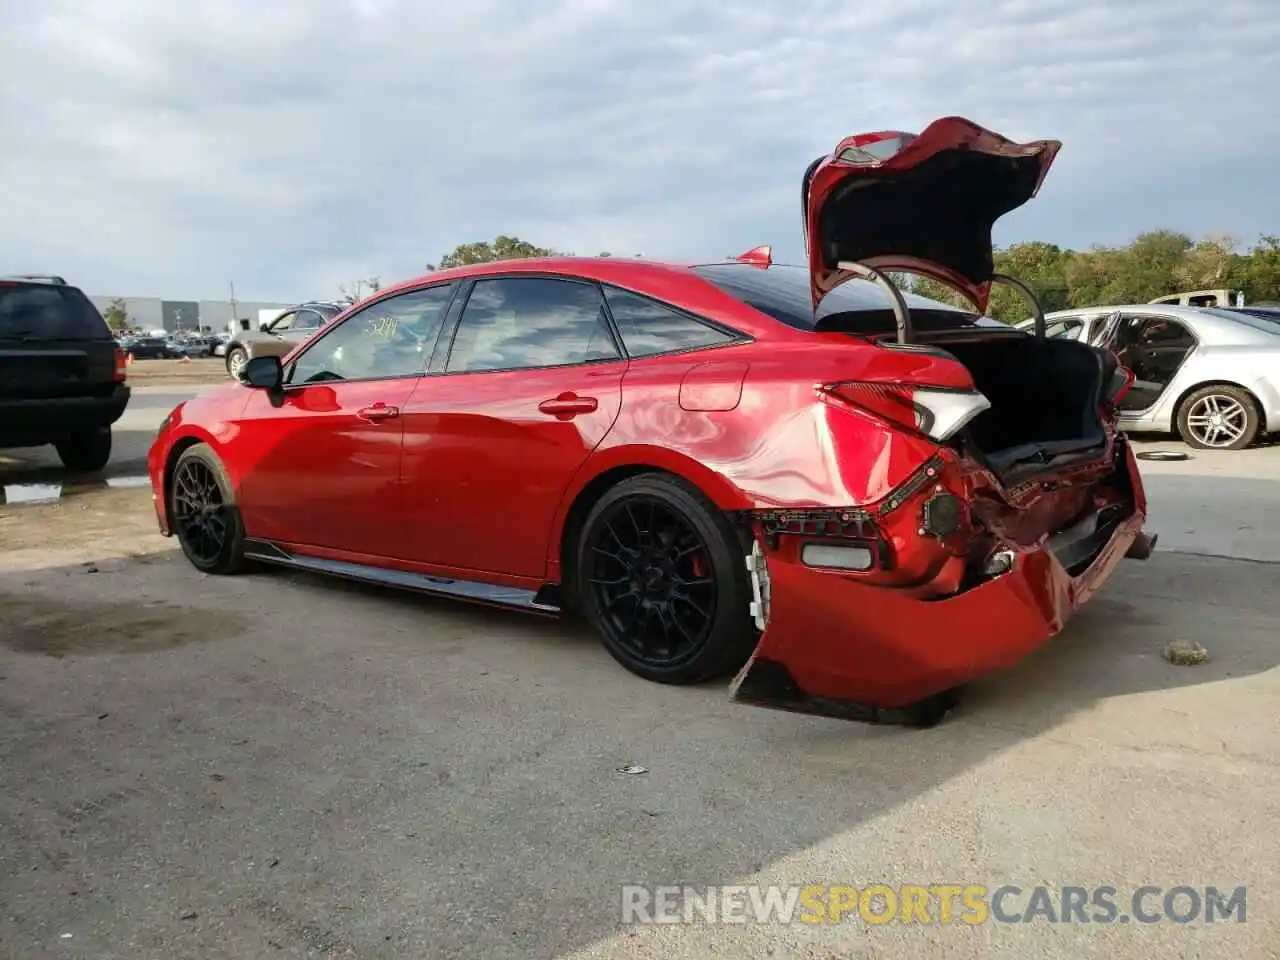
x,y
936,412
122,367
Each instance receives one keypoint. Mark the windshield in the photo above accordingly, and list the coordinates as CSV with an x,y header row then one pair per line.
x,y
859,307
40,311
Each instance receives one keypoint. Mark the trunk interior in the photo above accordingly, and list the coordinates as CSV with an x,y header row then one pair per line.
x,y
1045,398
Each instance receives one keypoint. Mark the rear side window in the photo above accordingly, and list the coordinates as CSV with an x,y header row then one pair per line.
x,y
49,312
649,328
1260,319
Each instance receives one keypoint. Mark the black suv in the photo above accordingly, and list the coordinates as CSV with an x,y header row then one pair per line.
x,y
62,375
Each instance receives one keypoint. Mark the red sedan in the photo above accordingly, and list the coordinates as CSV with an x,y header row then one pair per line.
x,y
857,499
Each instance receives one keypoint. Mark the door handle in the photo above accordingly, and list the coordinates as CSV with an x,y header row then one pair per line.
x,y
377,413
568,405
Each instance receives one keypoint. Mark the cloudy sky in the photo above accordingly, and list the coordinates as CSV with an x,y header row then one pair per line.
x,y
156,147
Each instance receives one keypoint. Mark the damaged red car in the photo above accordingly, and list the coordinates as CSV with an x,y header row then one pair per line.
x,y
855,499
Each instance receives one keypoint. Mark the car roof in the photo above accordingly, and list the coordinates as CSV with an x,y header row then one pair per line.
x,y
45,278
674,283
605,269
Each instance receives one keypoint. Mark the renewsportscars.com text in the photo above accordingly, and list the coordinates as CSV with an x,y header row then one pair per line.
x,y
931,904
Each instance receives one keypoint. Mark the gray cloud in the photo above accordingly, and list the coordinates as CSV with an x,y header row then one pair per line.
x,y
163,148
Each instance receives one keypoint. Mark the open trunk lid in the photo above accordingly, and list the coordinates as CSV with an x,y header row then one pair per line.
x,y
924,204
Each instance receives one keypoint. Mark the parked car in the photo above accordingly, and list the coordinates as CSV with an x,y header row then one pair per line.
x,y
62,376
1210,374
726,464
149,348
280,335
196,345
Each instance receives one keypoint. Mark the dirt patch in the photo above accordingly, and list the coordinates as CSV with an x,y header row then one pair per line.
x,y
174,372
59,628
79,519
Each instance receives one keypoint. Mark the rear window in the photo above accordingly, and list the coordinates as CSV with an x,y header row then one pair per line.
x,y
859,307
49,312
1268,320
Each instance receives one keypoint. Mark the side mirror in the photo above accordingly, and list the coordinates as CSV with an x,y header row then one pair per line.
x,y
264,373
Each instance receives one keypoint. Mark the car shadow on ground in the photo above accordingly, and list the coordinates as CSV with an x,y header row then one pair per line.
x,y
321,765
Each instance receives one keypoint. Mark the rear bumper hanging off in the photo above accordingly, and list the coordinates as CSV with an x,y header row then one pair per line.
x,y
834,646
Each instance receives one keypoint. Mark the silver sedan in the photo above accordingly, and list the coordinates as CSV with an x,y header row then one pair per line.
x,y
1210,375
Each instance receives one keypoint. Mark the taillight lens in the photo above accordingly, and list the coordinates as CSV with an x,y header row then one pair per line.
x,y
937,412
122,367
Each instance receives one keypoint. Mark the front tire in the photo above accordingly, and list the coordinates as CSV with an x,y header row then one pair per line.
x,y
661,576
206,520
86,451
237,357
1219,418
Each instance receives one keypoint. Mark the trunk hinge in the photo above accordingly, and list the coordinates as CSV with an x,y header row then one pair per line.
x,y
901,312
1028,295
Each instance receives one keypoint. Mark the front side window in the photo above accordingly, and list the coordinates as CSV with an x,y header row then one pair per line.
x,y
1067,328
307,320
649,328
514,323
390,338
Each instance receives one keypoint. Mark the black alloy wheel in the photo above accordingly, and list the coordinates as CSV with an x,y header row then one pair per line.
x,y
662,577
205,517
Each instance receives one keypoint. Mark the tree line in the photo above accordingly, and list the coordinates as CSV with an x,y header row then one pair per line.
x,y
1157,263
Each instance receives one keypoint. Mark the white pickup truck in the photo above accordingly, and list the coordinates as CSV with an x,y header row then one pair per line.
x,y
1204,298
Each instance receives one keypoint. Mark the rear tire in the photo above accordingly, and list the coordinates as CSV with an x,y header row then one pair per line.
x,y
1219,418
661,576
86,451
206,520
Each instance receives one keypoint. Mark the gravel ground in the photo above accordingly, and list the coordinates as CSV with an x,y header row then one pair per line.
x,y
280,766
172,372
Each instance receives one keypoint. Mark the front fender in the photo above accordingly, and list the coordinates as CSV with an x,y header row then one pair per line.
x,y
189,423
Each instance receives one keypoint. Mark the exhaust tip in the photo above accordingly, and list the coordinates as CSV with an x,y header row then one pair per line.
x,y
1142,547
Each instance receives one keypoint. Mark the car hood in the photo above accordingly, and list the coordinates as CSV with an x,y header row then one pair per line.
x,y
923,203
